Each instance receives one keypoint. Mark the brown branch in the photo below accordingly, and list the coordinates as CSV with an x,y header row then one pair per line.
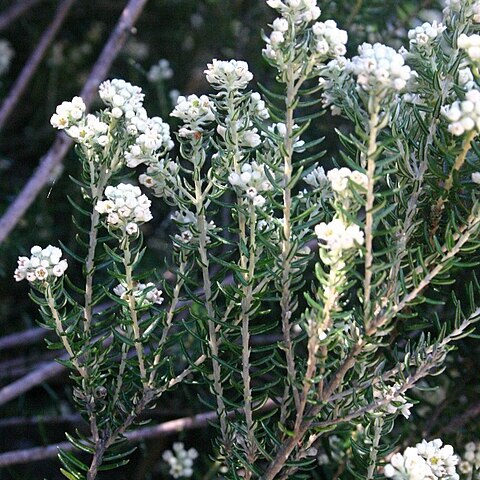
x,y
61,145
15,11
200,420
22,339
33,62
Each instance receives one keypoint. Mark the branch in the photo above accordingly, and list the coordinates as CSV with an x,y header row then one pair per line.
x,y
200,420
15,11
34,61
62,143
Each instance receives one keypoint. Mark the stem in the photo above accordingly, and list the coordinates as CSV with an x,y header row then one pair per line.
x,y
377,425
246,306
61,333
285,301
207,286
169,320
440,205
371,164
127,262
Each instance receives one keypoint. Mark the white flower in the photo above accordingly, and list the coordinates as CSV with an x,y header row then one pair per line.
x,y
397,402
145,294
330,40
180,460
195,112
425,461
337,236
425,33
160,71
44,264
231,75
379,68
126,207
464,116
6,55
251,182
342,180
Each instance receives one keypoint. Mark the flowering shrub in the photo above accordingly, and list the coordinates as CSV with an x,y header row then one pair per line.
x,y
388,231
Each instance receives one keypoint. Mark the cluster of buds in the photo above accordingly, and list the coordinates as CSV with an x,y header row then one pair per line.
x,y
471,44
425,34
180,460
252,181
330,41
45,264
228,75
126,207
470,460
464,116
195,112
145,294
425,461
160,71
379,69
146,137
300,11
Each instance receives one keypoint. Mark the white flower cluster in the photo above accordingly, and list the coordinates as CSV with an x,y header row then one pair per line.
x,y
331,79
471,44
195,112
301,11
337,236
68,113
123,97
184,219
252,182
342,180
160,71
125,207
379,68
317,178
6,55
152,135
466,78
424,34
330,41
145,294
229,75
148,135
464,116
44,263
425,461
397,402
180,460
162,177
258,106
470,459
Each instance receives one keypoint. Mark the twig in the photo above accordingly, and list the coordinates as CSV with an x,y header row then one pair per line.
x,y
34,61
22,339
61,145
15,11
200,420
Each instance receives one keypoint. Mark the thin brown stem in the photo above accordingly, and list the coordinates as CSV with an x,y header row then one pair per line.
x,y
34,61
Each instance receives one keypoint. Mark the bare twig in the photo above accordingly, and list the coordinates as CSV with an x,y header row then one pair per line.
x,y
22,339
15,11
34,61
200,420
61,145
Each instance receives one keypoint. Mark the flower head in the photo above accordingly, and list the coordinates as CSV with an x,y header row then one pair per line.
x,y
44,264
228,75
